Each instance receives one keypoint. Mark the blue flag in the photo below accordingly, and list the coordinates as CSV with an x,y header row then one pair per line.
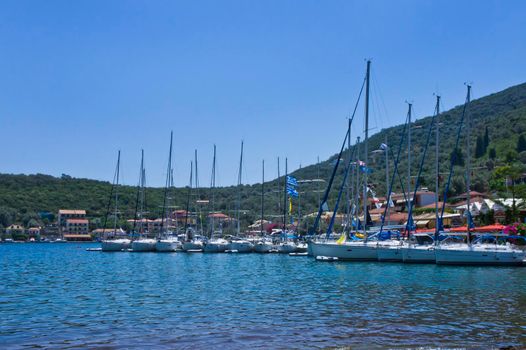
x,y
291,181
292,192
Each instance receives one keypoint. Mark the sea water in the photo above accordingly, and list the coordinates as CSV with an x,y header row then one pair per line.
x,y
62,296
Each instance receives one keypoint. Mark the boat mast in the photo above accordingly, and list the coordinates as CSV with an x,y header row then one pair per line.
x,y
188,197
468,168
167,184
116,193
279,189
240,174
285,197
437,228
262,195
357,191
367,77
387,179
410,108
349,180
212,190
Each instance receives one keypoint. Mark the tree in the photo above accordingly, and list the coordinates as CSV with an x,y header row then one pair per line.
x,y
521,144
457,157
492,154
486,138
504,178
480,149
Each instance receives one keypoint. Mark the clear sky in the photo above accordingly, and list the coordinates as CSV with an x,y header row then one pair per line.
x,y
81,79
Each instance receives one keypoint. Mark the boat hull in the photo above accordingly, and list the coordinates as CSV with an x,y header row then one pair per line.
x,y
418,255
167,246
193,246
354,251
286,248
389,254
115,245
263,247
488,255
241,247
215,247
144,245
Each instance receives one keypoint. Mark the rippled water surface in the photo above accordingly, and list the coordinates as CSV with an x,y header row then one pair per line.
x,y
60,295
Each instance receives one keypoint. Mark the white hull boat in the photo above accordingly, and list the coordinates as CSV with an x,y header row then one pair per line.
x,y
144,245
215,246
241,246
168,245
479,254
263,247
301,248
390,251
418,254
354,250
115,245
193,246
286,248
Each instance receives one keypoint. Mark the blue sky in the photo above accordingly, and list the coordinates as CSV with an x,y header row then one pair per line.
x,y
81,79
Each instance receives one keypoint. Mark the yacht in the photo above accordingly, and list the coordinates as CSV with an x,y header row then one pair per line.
x,y
196,244
361,250
215,245
144,245
115,245
168,244
264,245
240,245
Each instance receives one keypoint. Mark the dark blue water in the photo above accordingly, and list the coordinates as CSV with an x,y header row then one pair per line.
x,y
61,296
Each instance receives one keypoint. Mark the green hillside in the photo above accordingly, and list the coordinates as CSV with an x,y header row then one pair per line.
x,y
498,122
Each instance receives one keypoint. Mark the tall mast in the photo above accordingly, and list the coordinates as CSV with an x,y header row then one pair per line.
x,y
357,191
167,184
468,168
366,150
116,193
410,108
212,187
188,197
437,228
142,184
262,194
318,171
387,178
279,189
285,197
349,179
239,178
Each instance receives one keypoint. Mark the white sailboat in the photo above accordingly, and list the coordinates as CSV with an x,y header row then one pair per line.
x,y
215,243
111,244
342,249
166,241
475,253
238,244
143,243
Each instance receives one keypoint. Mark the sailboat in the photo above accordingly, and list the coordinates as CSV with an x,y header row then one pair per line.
x,y
167,242
143,244
264,244
194,242
388,249
474,251
286,246
420,248
215,243
357,249
114,244
238,244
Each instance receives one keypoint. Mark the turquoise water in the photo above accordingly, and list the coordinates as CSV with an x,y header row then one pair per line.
x,y
61,296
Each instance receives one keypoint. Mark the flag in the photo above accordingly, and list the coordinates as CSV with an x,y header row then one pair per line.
x,y
291,181
290,206
383,147
324,207
292,192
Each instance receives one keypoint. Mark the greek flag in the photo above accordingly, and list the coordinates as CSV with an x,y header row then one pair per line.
x,y
292,192
291,181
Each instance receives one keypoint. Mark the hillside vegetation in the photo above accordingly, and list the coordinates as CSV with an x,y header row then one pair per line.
x,y
498,138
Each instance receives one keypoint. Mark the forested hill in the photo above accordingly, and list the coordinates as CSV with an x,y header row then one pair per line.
x,y
498,131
